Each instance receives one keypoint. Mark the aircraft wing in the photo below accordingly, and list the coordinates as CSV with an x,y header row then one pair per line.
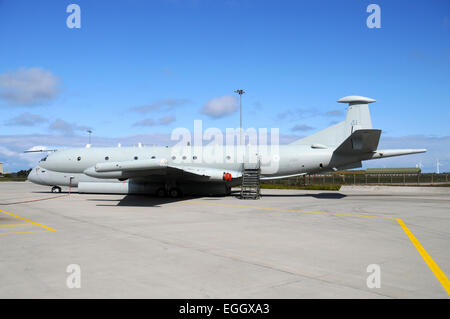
x,y
137,165
208,173
143,168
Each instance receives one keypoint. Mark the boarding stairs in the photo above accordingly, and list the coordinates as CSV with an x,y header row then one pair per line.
x,y
250,187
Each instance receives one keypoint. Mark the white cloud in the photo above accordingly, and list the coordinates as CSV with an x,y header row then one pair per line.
x,y
220,106
298,114
29,87
302,127
26,119
166,104
66,128
301,114
145,122
334,113
166,120
6,152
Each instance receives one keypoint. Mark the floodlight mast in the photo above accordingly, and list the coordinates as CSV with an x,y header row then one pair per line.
x,y
240,92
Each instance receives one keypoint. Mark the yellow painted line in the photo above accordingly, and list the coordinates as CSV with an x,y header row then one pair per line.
x,y
426,257
15,225
288,210
430,262
26,232
27,220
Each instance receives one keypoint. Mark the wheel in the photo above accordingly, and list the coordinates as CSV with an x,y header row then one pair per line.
x,y
175,192
161,192
56,189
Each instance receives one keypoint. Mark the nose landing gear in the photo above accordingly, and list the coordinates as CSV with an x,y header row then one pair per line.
x,y
56,189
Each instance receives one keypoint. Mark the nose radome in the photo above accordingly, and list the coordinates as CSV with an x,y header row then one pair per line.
x,y
32,176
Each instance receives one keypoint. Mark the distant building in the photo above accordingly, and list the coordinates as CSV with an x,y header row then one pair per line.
x,y
1,168
405,170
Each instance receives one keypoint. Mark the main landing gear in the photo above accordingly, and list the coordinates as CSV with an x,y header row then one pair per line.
x,y
56,189
173,192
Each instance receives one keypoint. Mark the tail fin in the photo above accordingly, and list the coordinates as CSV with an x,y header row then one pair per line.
x,y
358,118
358,113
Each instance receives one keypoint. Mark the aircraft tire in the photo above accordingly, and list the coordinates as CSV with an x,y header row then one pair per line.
x,y
160,192
56,189
174,192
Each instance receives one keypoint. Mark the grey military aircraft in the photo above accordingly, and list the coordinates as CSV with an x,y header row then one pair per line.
x,y
169,171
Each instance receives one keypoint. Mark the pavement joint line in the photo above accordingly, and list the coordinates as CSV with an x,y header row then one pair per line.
x,y
27,220
26,232
33,200
291,210
439,274
15,225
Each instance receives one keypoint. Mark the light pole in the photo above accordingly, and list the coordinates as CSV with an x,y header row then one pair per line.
x,y
89,132
240,92
437,166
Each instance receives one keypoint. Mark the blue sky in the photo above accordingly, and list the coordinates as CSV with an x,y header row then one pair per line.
x,y
137,69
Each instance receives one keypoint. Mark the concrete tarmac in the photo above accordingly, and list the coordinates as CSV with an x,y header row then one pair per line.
x,y
288,244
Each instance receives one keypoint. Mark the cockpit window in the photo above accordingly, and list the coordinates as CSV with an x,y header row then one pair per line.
x,y
44,159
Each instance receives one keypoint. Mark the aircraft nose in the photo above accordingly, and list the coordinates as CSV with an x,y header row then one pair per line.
x,y
32,176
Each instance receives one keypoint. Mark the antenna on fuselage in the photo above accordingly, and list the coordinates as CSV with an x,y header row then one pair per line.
x,y
89,132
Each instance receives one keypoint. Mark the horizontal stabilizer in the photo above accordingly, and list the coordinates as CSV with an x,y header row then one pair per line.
x,y
390,153
359,142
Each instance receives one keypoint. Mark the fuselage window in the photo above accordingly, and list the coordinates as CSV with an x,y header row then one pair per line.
x,y
135,158
174,157
153,157
194,157
228,157
106,158
79,158
184,157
